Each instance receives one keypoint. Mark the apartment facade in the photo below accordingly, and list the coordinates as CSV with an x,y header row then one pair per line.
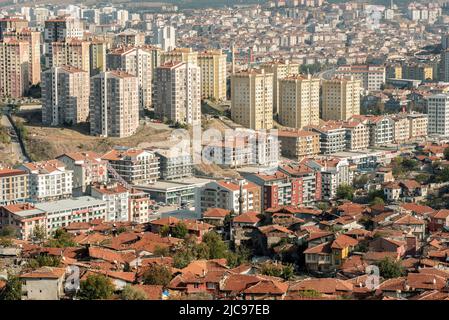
x,y
334,172
310,181
252,99
177,93
14,185
340,98
299,101
298,144
48,180
332,137
438,113
135,166
65,96
53,215
116,197
97,56
87,168
186,55
139,206
225,194
213,74
280,70
34,48
114,104
14,71
401,128
72,52
174,166
371,76
138,62
418,124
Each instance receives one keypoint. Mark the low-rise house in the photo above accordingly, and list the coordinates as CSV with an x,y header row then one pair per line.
x,y
215,216
46,283
412,225
323,286
439,220
194,227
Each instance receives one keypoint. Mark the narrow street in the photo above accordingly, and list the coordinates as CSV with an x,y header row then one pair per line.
x,y
15,145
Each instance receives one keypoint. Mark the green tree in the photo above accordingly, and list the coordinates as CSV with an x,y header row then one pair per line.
x,y
377,201
443,176
182,258
61,239
39,233
164,231
373,194
161,251
180,230
345,191
390,268
12,290
217,247
8,232
5,242
323,206
130,293
157,274
44,260
96,287
446,153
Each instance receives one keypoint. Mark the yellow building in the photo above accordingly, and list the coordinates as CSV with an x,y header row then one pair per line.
x,y
98,56
418,124
213,74
299,101
280,70
340,98
394,71
13,185
180,55
252,99
417,71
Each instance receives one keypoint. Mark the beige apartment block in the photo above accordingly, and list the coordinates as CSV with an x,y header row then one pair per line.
x,y
180,55
299,102
177,93
280,70
34,41
299,143
340,98
252,99
65,96
401,128
114,104
138,62
357,135
14,71
213,74
418,124
73,52
130,38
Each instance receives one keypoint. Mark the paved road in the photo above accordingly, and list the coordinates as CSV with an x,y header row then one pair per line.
x,y
327,74
15,146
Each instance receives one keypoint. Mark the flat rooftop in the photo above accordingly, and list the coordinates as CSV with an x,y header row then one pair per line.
x,y
163,185
69,204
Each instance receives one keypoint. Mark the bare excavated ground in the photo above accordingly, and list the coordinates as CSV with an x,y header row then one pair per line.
x,y
49,142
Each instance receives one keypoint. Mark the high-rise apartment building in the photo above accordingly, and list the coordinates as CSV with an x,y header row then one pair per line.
x,y
186,55
299,101
213,74
73,52
58,30
65,96
34,41
12,24
280,70
97,56
340,99
114,104
14,69
252,99
438,113
166,38
138,62
372,76
177,92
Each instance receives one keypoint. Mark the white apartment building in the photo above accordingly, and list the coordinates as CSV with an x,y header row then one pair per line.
x,y
225,194
48,180
114,104
65,96
137,62
116,197
135,166
334,172
166,38
299,101
177,93
438,113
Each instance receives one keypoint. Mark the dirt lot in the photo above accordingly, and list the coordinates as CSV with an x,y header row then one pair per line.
x,y
48,142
